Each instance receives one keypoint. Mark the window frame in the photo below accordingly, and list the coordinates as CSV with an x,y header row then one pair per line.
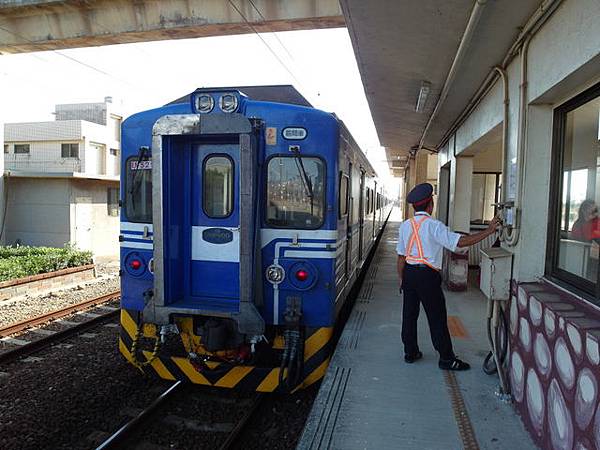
x,y
70,144
6,149
115,206
496,193
345,177
125,203
581,286
28,152
266,191
232,205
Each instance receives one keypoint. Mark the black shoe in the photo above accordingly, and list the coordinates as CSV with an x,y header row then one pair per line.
x,y
453,364
412,358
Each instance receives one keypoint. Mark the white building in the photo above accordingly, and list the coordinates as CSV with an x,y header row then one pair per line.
x,y
62,179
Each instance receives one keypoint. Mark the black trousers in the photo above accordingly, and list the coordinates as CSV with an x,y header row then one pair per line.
x,y
423,285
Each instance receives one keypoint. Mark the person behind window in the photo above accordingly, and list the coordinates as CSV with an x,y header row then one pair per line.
x,y
587,226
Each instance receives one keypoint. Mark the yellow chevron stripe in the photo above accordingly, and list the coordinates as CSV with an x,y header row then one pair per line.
x,y
127,354
233,377
270,382
316,374
316,342
125,351
128,323
160,368
187,368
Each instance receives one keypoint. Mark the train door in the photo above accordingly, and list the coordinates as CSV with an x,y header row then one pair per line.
x,y
350,206
361,215
213,227
373,194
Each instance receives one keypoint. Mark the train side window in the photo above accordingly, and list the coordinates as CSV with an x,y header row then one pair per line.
x,y
138,189
295,192
343,200
217,188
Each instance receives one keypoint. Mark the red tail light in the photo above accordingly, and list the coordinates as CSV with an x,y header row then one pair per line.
x,y
135,264
301,275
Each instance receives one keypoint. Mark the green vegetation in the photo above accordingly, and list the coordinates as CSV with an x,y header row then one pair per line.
x,y
19,262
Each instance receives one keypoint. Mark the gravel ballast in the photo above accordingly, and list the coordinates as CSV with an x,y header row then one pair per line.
x,y
27,307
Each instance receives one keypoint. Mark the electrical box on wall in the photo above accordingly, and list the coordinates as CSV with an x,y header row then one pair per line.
x,y
496,271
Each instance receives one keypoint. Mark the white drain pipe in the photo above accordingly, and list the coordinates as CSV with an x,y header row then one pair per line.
x,y
460,54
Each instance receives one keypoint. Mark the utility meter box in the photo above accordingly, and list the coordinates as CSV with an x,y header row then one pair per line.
x,y
496,271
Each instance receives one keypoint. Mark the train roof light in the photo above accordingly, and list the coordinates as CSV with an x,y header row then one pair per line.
x,y
228,103
204,103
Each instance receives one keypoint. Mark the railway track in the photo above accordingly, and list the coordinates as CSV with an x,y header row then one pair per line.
x,y
48,338
128,431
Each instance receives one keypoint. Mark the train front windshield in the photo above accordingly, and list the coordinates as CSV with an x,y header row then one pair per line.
x,y
295,192
138,186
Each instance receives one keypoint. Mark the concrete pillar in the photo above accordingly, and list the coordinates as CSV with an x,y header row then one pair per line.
x,y
411,181
530,254
461,174
2,194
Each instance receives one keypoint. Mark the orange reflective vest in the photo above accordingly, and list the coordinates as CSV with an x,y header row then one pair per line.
x,y
416,239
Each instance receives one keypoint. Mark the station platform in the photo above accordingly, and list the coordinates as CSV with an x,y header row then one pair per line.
x,y
371,399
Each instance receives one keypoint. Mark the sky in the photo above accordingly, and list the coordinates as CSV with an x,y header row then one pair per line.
x,y
319,63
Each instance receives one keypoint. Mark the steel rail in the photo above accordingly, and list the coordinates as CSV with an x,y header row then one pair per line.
x,y
37,345
53,315
241,425
125,431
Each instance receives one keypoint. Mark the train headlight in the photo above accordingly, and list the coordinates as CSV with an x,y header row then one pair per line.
x,y
228,103
204,103
275,274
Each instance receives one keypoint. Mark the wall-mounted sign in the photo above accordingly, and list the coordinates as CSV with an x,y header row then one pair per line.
x,y
294,133
217,235
271,135
141,165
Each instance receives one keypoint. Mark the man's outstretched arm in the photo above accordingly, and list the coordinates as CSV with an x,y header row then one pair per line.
x,y
472,239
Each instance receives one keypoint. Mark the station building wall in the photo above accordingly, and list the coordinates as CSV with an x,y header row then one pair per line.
x,y
554,365
54,212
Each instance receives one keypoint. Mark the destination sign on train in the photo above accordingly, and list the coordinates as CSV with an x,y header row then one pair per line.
x,y
294,133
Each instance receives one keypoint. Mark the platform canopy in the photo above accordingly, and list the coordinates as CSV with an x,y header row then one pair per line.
x,y
403,45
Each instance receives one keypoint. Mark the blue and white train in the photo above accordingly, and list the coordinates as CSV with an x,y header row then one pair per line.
x,y
244,227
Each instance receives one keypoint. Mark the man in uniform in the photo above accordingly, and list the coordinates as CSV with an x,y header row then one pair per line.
x,y
419,249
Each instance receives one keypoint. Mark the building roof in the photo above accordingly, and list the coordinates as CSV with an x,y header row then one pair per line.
x,y
283,93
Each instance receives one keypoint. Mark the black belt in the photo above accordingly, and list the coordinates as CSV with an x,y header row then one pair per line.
x,y
421,266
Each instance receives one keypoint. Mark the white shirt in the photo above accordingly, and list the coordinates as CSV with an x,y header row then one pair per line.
x,y
434,236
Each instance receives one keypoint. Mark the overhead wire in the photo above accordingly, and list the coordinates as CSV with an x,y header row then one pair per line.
x,y
73,59
272,32
281,62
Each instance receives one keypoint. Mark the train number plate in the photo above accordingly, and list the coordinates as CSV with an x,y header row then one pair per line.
x,y
217,235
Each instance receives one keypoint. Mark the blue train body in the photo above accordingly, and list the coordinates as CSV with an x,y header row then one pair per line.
x,y
244,226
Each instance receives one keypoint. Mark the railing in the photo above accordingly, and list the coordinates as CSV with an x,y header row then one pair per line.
x,y
28,163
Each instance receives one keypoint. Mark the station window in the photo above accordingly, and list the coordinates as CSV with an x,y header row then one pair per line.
x,y
295,192
218,186
112,201
22,149
138,189
575,228
343,195
69,150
